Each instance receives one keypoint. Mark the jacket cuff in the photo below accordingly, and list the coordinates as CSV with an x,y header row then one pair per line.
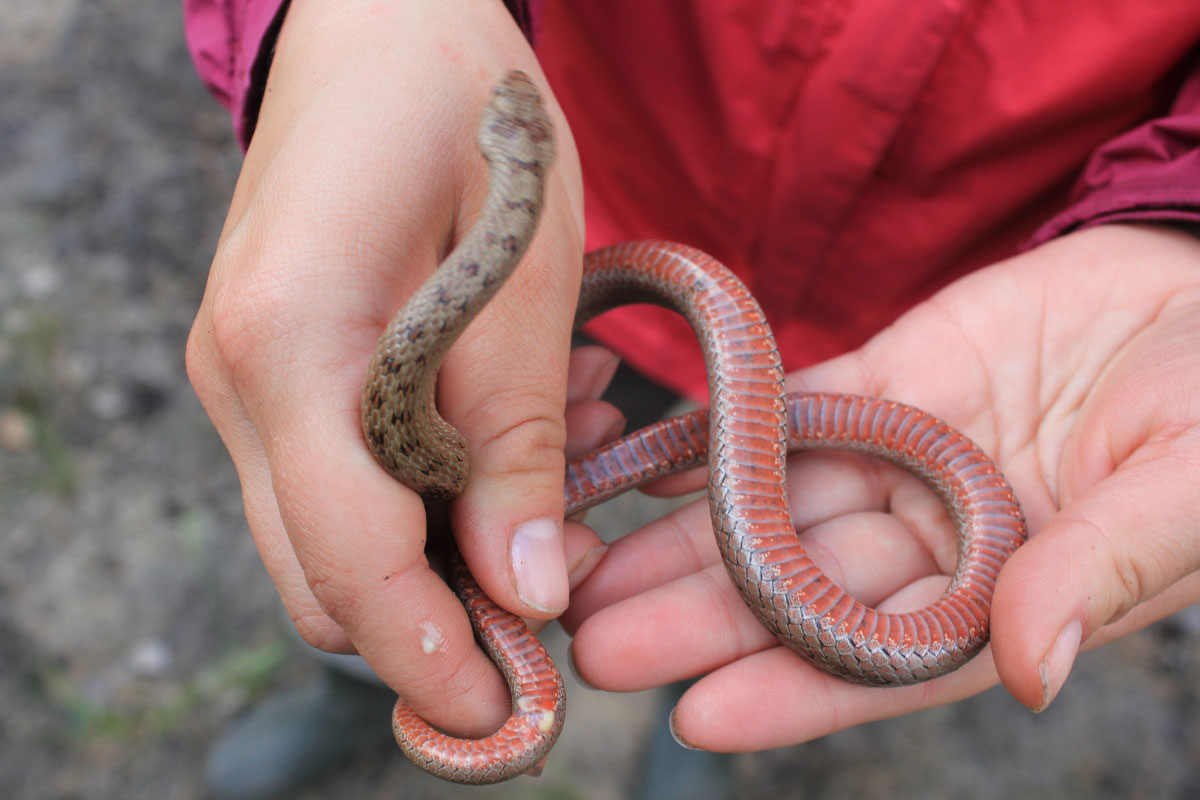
x,y
1148,174
231,44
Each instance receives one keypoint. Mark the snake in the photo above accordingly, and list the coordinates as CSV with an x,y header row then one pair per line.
x,y
744,438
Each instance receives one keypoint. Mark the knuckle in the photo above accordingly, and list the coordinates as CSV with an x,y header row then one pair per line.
x,y
248,319
1134,576
236,327
319,631
339,601
528,437
197,361
351,604
1125,589
448,681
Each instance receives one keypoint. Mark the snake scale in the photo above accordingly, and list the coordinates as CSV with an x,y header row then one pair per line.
x,y
744,438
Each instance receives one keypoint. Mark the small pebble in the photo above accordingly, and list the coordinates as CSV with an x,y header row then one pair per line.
x,y
41,281
150,658
16,430
107,402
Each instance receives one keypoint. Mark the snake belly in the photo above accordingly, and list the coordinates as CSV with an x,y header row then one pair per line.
x,y
744,438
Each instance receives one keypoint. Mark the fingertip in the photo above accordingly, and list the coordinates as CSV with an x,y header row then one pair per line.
x,y
424,649
1056,664
317,628
583,549
591,424
673,726
573,667
360,536
509,519
1037,618
510,531
589,372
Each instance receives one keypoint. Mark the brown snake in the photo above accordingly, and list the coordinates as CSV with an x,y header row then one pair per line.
x,y
745,439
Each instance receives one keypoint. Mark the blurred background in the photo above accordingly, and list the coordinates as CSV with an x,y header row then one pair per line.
x,y
135,619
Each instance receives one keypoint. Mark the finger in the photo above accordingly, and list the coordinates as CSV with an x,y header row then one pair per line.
x,y
589,372
678,544
699,622
590,423
823,487
583,550
214,387
687,482
374,578
774,698
1174,598
1127,530
1121,543
676,631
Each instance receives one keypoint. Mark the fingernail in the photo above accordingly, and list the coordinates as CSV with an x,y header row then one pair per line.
x,y
539,565
1057,662
574,670
675,734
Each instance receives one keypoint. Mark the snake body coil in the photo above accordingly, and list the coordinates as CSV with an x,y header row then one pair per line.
x,y
744,438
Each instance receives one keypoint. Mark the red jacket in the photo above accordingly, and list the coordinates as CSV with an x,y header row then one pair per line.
x,y
846,159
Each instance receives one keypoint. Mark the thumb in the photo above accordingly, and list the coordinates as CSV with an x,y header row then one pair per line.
x,y
1124,542
504,388
1127,532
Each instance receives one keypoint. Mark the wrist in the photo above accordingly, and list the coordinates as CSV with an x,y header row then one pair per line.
x,y
359,81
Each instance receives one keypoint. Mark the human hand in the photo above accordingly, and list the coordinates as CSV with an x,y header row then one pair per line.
x,y
362,173
1077,367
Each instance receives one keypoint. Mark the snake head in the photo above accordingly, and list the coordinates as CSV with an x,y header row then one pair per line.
x,y
515,113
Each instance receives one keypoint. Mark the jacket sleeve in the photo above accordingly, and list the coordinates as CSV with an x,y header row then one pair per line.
x,y
232,42
1148,174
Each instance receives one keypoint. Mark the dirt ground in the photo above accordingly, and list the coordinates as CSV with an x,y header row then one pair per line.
x,y
135,619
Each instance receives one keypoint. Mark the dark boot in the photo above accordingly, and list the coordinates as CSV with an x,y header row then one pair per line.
x,y
669,771
298,736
